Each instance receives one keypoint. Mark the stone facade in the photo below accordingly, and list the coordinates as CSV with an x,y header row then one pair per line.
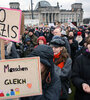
x,y
49,14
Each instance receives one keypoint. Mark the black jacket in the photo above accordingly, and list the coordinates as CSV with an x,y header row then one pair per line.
x,y
74,48
81,74
50,91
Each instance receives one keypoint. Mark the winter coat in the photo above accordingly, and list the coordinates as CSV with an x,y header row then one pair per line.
x,y
27,49
74,48
81,74
64,74
50,91
33,39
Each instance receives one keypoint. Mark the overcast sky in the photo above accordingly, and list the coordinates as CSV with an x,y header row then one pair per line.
x,y
66,4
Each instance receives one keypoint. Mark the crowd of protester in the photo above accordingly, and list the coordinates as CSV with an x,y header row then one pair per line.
x,y
65,54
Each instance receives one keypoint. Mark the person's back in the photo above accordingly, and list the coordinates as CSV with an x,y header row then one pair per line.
x,y
51,85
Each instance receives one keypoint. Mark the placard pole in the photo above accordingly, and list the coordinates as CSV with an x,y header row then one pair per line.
x,y
2,49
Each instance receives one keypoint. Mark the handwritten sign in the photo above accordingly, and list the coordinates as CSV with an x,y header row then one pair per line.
x,y
10,23
20,78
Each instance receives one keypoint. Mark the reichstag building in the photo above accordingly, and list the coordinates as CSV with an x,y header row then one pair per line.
x,y
46,13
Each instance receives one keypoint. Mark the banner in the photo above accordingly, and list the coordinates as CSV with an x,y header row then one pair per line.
x,y
31,22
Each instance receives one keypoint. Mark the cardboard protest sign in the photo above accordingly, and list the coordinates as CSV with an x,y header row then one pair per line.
x,y
10,23
20,78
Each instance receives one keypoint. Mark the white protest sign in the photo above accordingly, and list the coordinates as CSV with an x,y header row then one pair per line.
x,y
31,22
51,24
10,23
20,78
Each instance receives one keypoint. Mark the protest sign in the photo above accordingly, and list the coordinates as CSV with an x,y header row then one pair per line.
x,y
20,78
10,23
31,22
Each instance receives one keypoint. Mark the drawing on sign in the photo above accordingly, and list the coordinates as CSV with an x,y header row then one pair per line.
x,y
9,29
1,93
17,91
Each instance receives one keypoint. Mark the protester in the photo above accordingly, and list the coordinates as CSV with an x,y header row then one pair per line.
x,y
41,40
32,37
73,45
10,50
63,65
57,35
50,81
50,35
81,74
28,47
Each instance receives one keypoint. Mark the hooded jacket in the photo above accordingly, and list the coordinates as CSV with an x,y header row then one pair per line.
x,y
51,91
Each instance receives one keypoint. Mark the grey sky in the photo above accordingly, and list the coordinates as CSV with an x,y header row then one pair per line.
x,y
66,4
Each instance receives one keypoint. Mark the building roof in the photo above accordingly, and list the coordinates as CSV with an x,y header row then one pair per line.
x,y
14,3
42,4
77,4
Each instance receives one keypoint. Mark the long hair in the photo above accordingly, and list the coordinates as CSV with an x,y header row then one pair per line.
x,y
46,75
63,56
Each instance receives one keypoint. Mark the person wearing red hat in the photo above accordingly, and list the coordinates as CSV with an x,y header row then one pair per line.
x,y
79,37
41,40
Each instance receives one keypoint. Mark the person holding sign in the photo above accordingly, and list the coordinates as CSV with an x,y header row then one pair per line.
x,y
50,81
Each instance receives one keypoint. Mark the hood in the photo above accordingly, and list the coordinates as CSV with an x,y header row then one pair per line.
x,y
45,53
41,38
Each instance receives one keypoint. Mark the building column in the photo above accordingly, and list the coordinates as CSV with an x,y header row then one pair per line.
x,y
45,17
48,18
55,16
52,17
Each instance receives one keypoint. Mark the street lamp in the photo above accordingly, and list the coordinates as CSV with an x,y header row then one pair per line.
x,y
32,9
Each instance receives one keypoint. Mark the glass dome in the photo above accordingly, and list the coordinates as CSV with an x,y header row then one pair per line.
x,y
42,4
